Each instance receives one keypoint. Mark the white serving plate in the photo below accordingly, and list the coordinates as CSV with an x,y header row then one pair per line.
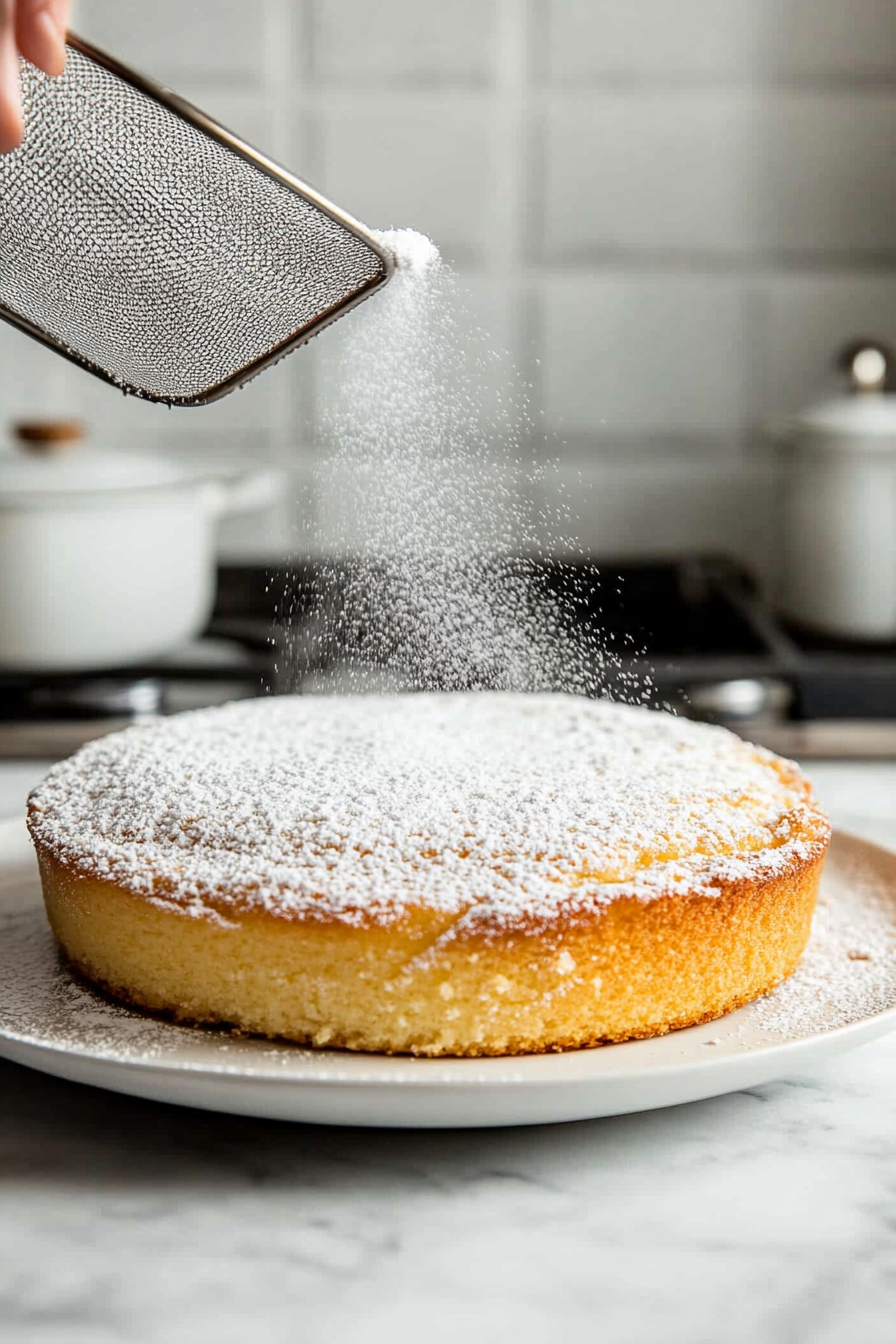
x,y
843,995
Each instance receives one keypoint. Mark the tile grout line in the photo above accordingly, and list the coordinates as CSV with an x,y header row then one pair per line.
x,y
510,241
282,81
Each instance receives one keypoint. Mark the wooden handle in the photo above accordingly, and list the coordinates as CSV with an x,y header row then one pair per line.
x,y
48,436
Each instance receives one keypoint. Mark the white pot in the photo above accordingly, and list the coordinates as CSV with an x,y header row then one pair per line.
x,y
107,560
840,523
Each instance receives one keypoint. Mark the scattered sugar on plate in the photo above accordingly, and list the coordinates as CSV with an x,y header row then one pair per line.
x,y
848,971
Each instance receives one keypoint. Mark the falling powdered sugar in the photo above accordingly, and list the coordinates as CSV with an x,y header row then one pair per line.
x,y
425,521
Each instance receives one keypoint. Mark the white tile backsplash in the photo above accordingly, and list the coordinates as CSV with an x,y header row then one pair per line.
x,y
718,172
853,40
582,43
831,179
808,319
218,42
360,44
671,213
715,40
661,508
640,171
659,355
395,162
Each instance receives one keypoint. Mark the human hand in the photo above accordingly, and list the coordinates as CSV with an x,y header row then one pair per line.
x,y
34,29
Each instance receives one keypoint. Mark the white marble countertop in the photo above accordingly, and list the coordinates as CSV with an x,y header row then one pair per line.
x,y
763,1217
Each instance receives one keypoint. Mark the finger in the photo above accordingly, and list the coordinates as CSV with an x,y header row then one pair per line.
x,y
40,32
10,87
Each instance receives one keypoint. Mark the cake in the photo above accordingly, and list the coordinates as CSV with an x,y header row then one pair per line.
x,y
482,874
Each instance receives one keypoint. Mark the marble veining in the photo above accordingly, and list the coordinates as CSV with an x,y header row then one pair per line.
x,y
763,1217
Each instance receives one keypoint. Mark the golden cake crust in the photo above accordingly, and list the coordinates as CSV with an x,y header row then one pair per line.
x,y
681,922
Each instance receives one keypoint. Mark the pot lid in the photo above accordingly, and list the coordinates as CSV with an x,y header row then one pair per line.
x,y
871,417
864,422
48,461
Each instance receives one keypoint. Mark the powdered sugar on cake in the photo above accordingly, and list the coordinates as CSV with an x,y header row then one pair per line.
x,y
505,806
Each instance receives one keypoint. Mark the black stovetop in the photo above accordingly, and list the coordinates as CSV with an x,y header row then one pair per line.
x,y
693,633
682,625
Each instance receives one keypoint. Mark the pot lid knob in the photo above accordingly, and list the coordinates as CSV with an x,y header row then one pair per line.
x,y
869,365
43,437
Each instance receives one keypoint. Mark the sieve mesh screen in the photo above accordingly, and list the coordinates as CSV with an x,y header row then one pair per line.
x,y
144,248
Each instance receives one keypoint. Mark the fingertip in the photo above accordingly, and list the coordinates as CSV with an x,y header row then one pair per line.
x,y
55,64
55,54
11,127
42,42
11,131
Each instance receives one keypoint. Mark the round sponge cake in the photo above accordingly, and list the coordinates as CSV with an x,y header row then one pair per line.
x,y
434,874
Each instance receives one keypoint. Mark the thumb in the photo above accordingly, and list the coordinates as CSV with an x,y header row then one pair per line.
x,y
10,92
40,32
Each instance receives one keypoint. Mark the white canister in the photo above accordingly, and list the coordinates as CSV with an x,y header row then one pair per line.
x,y
840,518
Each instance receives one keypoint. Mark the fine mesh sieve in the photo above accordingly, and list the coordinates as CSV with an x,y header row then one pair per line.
x,y
156,249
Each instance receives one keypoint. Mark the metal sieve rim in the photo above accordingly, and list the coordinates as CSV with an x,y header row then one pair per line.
x,y
207,125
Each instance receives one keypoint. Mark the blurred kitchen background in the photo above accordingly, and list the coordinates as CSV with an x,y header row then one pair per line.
x,y
672,213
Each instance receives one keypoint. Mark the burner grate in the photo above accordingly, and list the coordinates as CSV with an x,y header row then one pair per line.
x,y
695,628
